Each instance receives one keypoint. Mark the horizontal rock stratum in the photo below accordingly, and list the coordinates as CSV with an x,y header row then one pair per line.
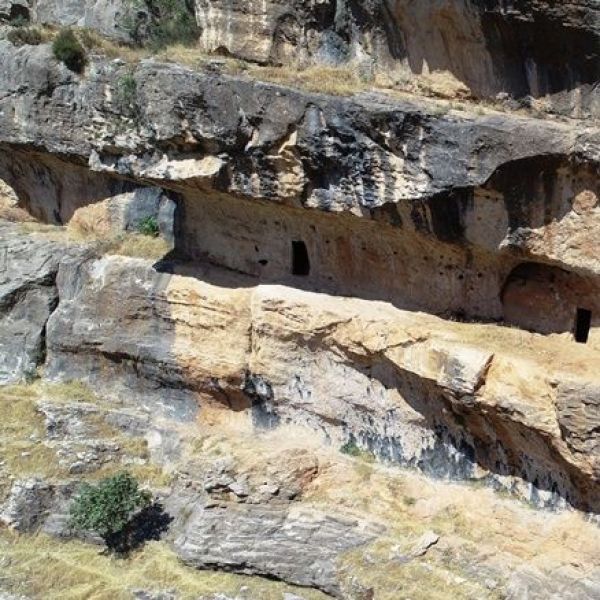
x,y
457,213
264,300
456,400
523,48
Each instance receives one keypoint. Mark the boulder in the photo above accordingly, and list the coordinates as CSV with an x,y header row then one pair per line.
x,y
298,546
28,505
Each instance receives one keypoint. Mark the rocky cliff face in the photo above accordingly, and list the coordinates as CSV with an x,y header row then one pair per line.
x,y
522,48
458,208
413,282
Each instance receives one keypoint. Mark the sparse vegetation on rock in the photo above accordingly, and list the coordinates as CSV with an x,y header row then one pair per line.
x,y
25,36
68,50
159,23
149,226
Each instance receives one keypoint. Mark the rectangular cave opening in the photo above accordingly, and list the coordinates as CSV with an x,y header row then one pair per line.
x,y
583,322
300,260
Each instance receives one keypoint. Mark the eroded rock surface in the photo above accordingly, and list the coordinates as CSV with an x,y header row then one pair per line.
x,y
433,212
449,399
298,546
308,233
28,294
527,49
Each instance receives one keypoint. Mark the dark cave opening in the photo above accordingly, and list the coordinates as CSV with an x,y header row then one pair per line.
x,y
583,322
300,260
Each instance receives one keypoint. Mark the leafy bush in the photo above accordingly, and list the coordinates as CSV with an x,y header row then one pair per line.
x,y
25,36
149,227
160,23
68,50
107,508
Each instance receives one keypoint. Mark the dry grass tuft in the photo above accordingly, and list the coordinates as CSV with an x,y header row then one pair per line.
x,y
21,433
25,452
96,43
420,579
42,567
139,246
67,391
132,244
337,81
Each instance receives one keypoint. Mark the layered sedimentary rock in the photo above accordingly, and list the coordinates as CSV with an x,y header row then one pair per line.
x,y
298,546
366,196
341,275
463,401
521,48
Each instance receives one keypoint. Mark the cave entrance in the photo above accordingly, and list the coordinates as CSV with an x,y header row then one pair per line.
x,y
583,322
300,260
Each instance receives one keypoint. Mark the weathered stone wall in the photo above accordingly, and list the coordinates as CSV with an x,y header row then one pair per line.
x,y
348,256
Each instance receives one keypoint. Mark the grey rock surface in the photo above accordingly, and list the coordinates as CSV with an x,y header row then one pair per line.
x,y
28,505
325,145
106,16
28,295
297,546
536,50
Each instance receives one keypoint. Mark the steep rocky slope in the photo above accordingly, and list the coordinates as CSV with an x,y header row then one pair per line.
x,y
407,280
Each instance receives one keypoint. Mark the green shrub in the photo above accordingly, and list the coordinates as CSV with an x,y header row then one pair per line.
x,y
69,51
165,22
106,508
351,449
149,227
126,96
25,36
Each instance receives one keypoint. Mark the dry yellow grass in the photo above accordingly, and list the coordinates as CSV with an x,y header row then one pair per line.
x,y
131,244
21,432
422,579
94,42
43,568
337,81
139,246
26,453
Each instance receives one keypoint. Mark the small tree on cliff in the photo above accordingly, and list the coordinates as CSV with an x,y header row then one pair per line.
x,y
107,508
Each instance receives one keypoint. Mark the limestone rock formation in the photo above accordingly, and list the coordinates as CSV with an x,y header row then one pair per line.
x,y
298,546
109,17
450,400
264,301
456,206
28,268
526,49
